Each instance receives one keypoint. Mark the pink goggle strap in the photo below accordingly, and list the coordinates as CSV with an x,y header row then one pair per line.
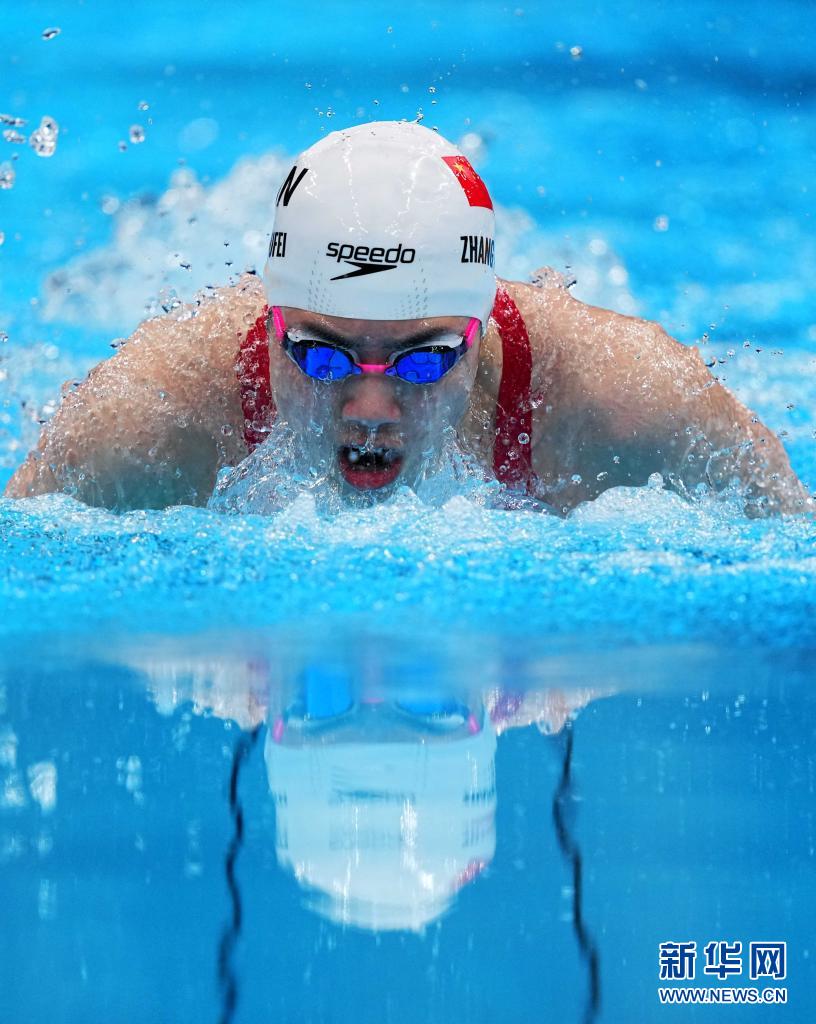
x,y
277,320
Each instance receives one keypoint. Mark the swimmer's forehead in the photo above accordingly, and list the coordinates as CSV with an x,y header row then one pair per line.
x,y
335,328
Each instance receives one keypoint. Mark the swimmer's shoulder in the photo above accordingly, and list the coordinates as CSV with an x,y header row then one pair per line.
x,y
203,335
548,311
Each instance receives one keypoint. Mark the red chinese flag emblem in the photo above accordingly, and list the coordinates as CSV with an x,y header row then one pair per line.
x,y
472,185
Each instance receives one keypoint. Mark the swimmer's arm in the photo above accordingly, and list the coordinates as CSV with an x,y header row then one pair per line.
x,y
630,401
690,428
151,426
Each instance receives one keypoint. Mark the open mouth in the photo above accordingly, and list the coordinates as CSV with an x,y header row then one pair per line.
x,y
369,468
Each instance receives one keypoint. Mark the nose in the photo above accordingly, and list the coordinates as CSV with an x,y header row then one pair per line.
x,y
371,401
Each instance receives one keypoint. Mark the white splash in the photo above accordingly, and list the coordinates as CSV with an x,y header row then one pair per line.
x,y
196,236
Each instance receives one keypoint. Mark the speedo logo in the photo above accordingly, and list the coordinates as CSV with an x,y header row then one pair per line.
x,y
478,249
369,259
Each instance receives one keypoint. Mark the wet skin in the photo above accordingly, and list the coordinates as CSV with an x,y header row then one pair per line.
x,y
613,400
370,431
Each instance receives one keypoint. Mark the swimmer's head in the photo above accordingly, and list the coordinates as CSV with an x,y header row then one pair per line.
x,y
384,221
382,245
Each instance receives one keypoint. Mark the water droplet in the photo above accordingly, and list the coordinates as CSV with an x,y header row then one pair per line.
x,y
790,406
43,140
143,105
602,476
226,430
524,438
432,88
404,88
576,52
122,146
616,459
661,223
6,175
390,29
10,135
576,478
2,237
51,33
12,121
136,134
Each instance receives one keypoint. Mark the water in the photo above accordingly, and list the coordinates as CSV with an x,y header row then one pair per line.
x,y
664,158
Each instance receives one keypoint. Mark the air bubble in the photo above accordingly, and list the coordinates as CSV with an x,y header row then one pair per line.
x,y
12,121
576,52
51,33
143,105
10,135
43,140
136,134
524,438
661,223
576,478
6,176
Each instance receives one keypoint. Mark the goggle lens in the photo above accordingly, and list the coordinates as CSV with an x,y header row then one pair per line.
x,y
426,365
322,362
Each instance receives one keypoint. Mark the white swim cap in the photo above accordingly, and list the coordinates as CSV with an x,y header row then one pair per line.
x,y
384,221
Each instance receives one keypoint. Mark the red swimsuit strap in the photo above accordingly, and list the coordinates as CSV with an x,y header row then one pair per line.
x,y
511,457
253,378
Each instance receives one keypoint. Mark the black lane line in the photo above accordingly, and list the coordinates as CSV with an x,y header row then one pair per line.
x,y
562,801
227,979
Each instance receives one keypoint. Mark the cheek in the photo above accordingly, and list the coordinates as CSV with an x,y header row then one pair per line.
x,y
453,394
299,400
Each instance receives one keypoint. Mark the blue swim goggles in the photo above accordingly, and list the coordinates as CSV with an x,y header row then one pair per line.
x,y
327,698
323,360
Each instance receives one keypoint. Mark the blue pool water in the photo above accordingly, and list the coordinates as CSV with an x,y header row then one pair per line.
x,y
663,156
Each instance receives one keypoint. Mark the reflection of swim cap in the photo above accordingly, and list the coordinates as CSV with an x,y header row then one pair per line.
x,y
385,221
384,834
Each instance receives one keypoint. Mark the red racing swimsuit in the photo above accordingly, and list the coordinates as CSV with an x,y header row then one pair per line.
x,y
511,457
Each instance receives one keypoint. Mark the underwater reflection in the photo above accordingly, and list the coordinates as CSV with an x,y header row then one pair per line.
x,y
385,806
384,793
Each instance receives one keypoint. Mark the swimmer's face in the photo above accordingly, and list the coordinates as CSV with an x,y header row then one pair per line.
x,y
369,431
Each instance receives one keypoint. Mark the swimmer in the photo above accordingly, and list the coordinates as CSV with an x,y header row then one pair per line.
x,y
379,325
